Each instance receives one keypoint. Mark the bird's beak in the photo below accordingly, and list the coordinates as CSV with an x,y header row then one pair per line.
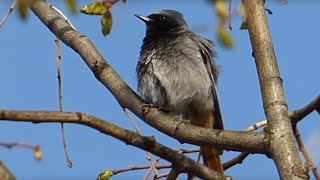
x,y
144,18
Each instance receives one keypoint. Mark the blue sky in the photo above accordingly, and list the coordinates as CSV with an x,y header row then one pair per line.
x,y
28,82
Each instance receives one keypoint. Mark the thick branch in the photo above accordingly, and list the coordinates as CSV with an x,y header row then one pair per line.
x,y
184,163
253,142
5,174
173,174
282,145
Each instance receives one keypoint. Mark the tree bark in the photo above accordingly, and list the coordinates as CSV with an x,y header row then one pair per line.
x,y
5,174
282,144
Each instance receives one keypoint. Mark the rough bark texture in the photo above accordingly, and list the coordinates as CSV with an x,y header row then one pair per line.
x,y
282,145
5,174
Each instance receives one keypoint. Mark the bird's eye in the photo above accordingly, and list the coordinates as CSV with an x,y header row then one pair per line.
x,y
163,18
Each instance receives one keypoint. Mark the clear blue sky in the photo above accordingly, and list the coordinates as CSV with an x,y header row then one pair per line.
x,y
28,82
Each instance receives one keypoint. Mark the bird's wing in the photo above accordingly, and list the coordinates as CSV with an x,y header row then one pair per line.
x,y
208,54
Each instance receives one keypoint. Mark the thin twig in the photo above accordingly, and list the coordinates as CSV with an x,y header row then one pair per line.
x,y
257,125
161,176
58,61
149,156
18,144
35,148
230,15
8,14
62,15
134,124
295,116
237,160
118,171
299,114
152,168
306,154
146,176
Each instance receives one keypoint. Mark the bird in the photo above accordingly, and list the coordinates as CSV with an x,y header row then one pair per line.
x,y
177,73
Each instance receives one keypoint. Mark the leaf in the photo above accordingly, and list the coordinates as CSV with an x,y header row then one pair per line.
x,y
106,23
224,37
105,175
23,8
96,8
244,25
71,5
242,12
221,10
38,154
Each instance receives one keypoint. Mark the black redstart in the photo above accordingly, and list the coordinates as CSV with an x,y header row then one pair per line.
x,y
177,73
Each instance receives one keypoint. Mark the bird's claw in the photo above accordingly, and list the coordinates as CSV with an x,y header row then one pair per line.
x,y
145,108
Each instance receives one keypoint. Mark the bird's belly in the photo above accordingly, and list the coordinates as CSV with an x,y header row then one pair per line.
x,y
176,91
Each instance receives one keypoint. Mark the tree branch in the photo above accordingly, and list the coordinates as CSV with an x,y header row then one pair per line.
x,y
5,173
311,165
237,160
173,174
184,163
282,145
118,171
237,141
299,114
295,117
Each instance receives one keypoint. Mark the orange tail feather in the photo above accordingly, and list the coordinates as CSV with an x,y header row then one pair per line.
x,y
211,157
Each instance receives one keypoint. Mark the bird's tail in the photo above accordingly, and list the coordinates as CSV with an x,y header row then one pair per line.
x,y
211,157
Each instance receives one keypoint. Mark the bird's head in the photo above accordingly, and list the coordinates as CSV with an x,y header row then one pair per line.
x,y
164,21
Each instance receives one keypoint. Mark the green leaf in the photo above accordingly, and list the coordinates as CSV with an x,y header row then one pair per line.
x,y
221,10
224,37
106,23
71,5
105,175
96,8
244,25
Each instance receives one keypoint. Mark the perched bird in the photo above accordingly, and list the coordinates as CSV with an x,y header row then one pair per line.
x,y
177,73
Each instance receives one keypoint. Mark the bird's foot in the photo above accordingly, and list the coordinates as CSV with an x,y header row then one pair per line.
x,y
145,108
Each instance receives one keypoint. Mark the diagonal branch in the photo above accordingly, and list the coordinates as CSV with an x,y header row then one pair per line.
x,y
127,98
237,160
299,114
184,163
295,117
310,163
5,173
8,14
